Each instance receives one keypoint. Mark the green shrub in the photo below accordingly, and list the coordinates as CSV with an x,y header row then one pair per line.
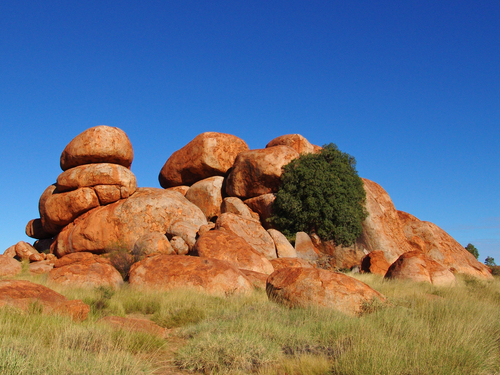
x,y
323,194
472,249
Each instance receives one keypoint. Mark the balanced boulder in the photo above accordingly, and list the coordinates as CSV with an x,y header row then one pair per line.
x,y
295,141
207,195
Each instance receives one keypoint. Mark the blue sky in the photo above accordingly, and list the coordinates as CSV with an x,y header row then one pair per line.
x,y
411,89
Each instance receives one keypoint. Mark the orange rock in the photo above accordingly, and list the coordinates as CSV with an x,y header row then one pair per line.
x,y
62,208
152,243
34,229
9,266
251,231
206,228
86,271
438,245
25,251
206,194
258,172
375,262
295,286
263,205
208,154
44,266
305,248
165,272
284,248
124,222
134,324
280,263
417,267
227,246
257,279
179,246
180,189
236,206
100,144
295,141
382,229
25,295
48,227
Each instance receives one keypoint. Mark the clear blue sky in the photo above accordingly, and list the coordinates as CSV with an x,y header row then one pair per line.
x,y
410,88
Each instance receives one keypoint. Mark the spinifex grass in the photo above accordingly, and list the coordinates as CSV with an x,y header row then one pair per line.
x,y
422,330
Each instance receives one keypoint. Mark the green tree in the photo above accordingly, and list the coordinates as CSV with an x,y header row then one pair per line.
x,y
472,249
490,262
323,194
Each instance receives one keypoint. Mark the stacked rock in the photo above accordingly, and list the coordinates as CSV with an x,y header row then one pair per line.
x,y
96,166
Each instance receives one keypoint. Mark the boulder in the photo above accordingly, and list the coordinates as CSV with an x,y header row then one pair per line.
x,y
62,208
438,245
375,262
206,194
48,227
152,243
10,252
263,205
303,287
44,266
382,229
26,295
124,222
415,266
25,251
227,246
258,172
295,141
179,246
9,266
89,271
236,206
305,248
100,144
280,263
183,189
134,324
251,231
165,272
284,248
208,154
257,279
34,229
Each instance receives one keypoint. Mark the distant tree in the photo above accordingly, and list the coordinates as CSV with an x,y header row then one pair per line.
x,y
472,249
323,194
490,262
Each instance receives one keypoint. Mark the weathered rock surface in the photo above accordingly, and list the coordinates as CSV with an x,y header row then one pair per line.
x,y
88,271
48,227
207,195
166,272
44,266
124,222
9,266
236,206
152,243
295,141
263,205
134,324
280,263
183,189
375,262
257,279
438,245
114,177
251,231
208,154
258,172
24,295
304,287
227,246
24,251
415,266
100,144
284,248
62,208
305,248
382,229
34,229
179,246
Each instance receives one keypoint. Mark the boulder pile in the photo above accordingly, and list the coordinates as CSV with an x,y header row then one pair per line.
x,y
207,227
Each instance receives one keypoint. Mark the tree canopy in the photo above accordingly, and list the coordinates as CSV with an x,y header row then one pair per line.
x,y
323,194
472,249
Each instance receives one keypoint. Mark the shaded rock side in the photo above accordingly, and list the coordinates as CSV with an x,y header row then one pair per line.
x,y
100,144
258,172
305,287
122,223
208,154
251,231
165,272
25,294
227,246
34,229
438,245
